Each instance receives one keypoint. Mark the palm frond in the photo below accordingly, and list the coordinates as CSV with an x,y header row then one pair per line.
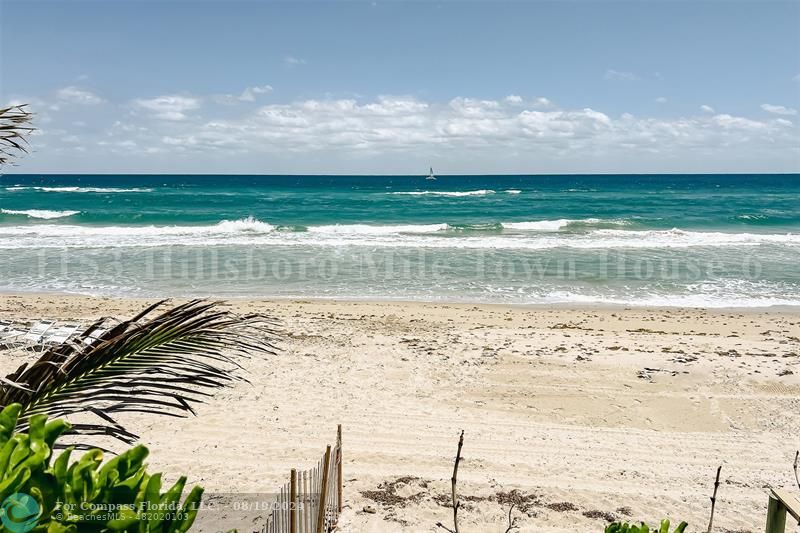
x,y
14,128
163,365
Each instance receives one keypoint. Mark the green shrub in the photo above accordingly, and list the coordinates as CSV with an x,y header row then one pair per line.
x,y
620,527
85,494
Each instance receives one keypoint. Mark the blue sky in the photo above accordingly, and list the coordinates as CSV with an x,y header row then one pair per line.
x,y
393,87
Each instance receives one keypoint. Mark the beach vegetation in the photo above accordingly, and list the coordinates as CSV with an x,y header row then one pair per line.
x,y
624,527
86,494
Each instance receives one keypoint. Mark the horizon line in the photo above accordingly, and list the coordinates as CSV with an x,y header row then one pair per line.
x,y
797,173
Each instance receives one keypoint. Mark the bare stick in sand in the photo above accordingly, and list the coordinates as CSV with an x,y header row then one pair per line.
x,y
796,476
511,523
453,481
714,500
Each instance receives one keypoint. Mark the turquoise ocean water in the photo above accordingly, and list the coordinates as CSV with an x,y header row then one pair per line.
x,y
718,240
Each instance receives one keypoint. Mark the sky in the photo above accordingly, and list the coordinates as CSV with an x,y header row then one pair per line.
x,y
477,87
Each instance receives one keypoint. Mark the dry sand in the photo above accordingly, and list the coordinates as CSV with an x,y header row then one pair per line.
x,y
556,403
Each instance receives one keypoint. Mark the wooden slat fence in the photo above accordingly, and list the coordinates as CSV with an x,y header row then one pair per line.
x,y
310,502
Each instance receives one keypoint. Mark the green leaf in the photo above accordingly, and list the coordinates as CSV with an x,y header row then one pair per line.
x,y
56,527
5,456
60,466
126,519
170,501
8,421
83,476
53,430
189,510
14,482
152,500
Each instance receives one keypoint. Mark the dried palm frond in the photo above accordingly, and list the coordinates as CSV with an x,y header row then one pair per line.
x,y
161,365
14,127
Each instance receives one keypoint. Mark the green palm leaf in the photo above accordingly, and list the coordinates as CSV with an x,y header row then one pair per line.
x,y
14,127
161,365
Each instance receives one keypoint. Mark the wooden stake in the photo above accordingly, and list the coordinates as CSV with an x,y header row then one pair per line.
x,y
323,495
339,474
714,500
304,515
796,476
293,502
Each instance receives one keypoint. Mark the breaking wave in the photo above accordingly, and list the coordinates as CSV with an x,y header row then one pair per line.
x,y
39,213
481,192
545,234
80,189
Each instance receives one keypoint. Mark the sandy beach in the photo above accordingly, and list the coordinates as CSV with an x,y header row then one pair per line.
x,y
586,412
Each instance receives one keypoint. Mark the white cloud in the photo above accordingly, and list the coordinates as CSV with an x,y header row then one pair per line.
x,y
739,123
706,108
661,100
778,109
168,107
391,132
75,95
617,75
249,94
471,107
294,61
538,103
470,126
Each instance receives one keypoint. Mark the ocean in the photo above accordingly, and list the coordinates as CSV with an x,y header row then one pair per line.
x,y
654,240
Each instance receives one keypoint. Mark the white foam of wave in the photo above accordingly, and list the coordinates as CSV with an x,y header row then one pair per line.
x,y
244,225
253,232
539,225
481,192
677,238
364,229
248,224
513,191
718,300
561,223
39,213
609,221
80,189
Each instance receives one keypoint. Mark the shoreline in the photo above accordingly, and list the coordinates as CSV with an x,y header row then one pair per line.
x,y
600,408
575,306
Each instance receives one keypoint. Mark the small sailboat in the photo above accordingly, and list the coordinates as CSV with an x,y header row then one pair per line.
x,y
430,175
